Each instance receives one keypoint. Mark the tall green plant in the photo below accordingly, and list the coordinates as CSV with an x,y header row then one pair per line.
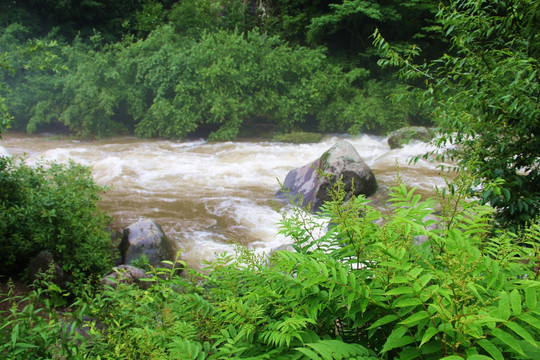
x,y
421,285
227,79
486,97
426,279
26,72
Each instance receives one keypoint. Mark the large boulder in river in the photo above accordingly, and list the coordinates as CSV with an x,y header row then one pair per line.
x,y
146,238
404,135
342,161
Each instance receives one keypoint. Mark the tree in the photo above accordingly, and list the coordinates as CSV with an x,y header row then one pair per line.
x,y
20,57
5,118
486,98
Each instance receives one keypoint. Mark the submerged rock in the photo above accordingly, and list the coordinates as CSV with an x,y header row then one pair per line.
x,y
342,161
404,135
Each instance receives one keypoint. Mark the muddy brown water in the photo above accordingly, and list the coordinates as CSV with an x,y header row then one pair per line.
x,y
209,196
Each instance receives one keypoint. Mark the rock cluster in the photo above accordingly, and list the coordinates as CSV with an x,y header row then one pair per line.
x,y
146,238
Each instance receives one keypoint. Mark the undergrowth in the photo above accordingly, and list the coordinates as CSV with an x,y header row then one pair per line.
x,y
427,279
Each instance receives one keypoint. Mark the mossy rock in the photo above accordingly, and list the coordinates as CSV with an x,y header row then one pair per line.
x,y
298,137
403,136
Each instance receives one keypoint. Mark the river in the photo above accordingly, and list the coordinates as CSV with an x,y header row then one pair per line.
x,y
209,196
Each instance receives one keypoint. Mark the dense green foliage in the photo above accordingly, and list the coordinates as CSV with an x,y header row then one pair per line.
x,y
163,86
487,98
425,280
210,68
53,208
345,27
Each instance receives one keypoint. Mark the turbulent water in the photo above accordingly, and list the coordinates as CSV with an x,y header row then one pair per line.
x,y
209,196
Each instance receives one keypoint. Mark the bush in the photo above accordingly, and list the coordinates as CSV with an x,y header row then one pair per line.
x,y
52,208
32,328
485,99
427,279
228,79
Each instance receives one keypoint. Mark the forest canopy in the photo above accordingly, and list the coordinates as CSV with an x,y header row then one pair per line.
x,y
205,68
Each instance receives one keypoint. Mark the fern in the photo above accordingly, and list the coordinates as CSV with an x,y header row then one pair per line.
x,y
364,287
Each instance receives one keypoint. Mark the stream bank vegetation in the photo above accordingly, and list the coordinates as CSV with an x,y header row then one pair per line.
x,y
427,279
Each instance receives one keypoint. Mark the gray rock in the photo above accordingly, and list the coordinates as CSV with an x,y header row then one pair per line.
x,y
126,274
44,262
146,238
404,135
342,161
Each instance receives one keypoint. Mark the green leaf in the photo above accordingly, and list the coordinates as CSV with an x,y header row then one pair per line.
x,y
515,302
472,287
415,272
415,318
491,349
504,306
400,291
519,330
397,339
384,320
531,320
309,353
399,279
531,297
404,302
508,340
428,334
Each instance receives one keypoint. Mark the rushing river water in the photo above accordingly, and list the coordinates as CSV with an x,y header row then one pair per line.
x,y
208,196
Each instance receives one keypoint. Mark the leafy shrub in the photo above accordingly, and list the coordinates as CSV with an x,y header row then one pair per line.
x,y
28,69
32,329
172,86
228,79
52,208
460,292
485,96
421,285
427,279
369,108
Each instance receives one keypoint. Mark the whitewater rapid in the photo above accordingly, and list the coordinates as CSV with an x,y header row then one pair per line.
x,y
210,196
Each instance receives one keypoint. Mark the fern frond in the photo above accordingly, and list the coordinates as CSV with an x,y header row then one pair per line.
x,y
335,350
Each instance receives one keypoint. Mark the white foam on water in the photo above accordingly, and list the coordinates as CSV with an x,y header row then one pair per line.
x,y
262,222
107,170
62,155
4,152
230,185
201,245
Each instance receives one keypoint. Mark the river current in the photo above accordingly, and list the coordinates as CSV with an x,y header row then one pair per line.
x,y
209,196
